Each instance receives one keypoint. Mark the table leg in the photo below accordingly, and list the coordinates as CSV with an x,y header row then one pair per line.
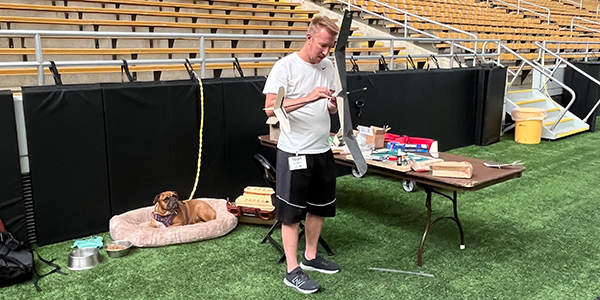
x,y
429,190
427,225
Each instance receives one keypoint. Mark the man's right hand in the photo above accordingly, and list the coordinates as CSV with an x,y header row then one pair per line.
x,y
319,93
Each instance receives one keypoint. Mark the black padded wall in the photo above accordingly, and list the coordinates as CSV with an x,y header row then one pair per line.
x,y
12,209
152,132
438,104
185,111
67,155
244,121
586,91
489,105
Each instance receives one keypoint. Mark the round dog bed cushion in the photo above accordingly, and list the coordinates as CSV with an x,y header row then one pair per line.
x,y
134,226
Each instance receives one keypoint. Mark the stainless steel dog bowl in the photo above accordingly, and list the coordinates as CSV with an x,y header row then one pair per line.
x,y
119,252
83,259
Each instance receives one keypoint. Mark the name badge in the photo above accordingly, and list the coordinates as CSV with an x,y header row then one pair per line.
x,y
297,162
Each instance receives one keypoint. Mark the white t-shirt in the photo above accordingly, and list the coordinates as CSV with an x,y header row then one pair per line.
x,y
310,124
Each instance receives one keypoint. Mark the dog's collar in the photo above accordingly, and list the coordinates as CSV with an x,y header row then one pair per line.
x,y
167,220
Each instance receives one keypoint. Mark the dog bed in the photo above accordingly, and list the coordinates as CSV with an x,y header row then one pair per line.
x,y
134,227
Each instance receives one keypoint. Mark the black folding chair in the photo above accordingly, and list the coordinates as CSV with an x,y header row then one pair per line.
x,y
270,175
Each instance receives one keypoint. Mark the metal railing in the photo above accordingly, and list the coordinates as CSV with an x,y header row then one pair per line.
x,y
586,20
536,65
580,3
562,60
586,53
518,6
532,4
40,63
408,27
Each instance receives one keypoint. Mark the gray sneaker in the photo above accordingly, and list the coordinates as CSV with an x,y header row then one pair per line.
x,y
301,282
319,264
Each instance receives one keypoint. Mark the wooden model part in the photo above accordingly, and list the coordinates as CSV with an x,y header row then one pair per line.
x,y
255,201
279,111
392,165
453,169
256,190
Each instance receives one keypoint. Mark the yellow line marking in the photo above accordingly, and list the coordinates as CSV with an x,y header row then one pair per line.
x,y
561,121
519,91
530,101
573,132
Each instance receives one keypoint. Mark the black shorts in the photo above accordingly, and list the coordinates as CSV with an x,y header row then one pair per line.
x,y
309,190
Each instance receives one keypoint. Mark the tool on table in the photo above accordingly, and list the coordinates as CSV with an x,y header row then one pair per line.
x,y
500,166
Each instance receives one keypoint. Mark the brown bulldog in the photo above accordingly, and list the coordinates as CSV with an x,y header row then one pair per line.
x,y
169,211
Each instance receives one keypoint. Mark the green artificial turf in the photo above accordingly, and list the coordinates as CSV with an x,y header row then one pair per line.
x,y
536,237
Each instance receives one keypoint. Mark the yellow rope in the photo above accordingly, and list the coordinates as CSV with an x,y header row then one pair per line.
x,y
200,137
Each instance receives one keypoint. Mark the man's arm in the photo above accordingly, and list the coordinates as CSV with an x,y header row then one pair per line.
x,y
293,104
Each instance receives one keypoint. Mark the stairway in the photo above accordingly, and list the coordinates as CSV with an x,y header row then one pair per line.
x,y
569,124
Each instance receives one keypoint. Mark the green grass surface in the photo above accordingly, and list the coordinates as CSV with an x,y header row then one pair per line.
x,y
536,237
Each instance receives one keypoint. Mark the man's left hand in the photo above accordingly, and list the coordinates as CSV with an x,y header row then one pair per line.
x,y
332,105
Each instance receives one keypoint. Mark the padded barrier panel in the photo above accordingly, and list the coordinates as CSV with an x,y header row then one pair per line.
x,y
244,121
438,104
152,138
12,207
586,91
458,107
489,105
185,110
67,155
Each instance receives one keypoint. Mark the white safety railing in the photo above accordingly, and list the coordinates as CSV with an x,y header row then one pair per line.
x,y
407,27
519,8
538,67
562,60
532,4
580,3
589,46
581,26
40,63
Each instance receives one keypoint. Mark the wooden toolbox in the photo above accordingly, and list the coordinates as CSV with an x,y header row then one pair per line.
x,y
254,206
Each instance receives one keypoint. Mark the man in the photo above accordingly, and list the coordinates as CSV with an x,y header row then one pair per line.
x,y
305,168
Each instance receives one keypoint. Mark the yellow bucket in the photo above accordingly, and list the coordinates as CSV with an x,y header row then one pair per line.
x,y
528,127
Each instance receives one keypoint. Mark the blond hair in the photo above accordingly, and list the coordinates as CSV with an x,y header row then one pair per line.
x,y
320,22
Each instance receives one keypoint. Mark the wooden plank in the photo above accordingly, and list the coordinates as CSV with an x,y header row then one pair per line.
x,y
121,11
291,5
89,22
127,51
274,10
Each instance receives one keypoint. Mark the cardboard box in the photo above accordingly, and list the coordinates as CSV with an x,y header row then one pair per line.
x,y
375,135
273,128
